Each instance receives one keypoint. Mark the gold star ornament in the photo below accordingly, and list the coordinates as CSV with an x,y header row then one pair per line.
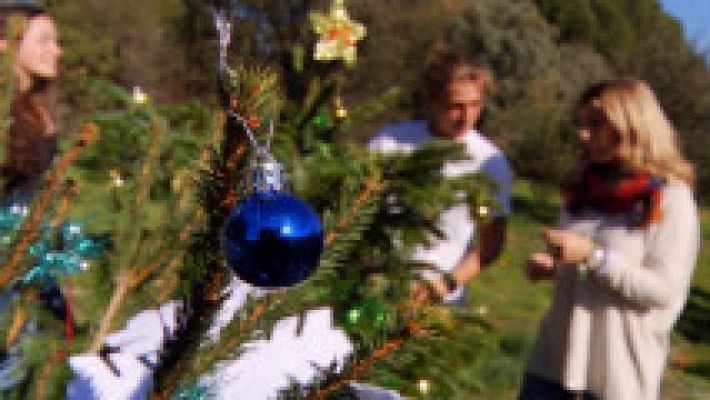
x,y
338,34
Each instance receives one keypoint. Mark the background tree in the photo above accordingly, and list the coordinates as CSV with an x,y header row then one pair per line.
x,y
637,38
543,53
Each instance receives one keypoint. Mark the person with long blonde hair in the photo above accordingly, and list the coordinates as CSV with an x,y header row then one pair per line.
x,y
30,146
31,141
622,257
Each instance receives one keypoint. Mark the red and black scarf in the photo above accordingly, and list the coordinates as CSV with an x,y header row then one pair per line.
x,y
605,188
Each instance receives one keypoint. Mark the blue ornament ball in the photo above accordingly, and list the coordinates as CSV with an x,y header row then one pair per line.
x,y
273,240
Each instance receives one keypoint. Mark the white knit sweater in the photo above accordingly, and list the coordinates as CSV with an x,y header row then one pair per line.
x,y
609,332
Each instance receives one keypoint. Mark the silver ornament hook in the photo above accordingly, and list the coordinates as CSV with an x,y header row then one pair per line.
x,y
266,174
250,133
223,24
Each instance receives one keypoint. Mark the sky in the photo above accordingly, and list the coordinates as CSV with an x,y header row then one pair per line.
x,y
695,17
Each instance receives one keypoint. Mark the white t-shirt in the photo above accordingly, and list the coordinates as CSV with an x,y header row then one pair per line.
x,y
456,222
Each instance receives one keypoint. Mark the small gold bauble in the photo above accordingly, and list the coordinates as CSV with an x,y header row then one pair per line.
x,y
483,211
424,386
341,112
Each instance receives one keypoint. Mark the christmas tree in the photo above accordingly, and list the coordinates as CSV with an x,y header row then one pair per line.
x,y
149,204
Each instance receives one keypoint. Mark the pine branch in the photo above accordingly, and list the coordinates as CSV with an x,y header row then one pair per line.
x,y
133,223
231,198
127,281
125,278
221,349
204,295
156,132
372,186
131,278
18,322
56,355
166,290
383,351
347,232
254,96
88,134
123,285
62,206
143,273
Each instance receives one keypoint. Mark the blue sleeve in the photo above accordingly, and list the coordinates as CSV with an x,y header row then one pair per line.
x,y
497,168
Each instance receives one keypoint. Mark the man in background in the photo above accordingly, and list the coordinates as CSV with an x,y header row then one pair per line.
x,y
454,90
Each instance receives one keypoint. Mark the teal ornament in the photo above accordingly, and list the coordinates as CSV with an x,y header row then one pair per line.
x,y
194,392
11,217
64,254
11,220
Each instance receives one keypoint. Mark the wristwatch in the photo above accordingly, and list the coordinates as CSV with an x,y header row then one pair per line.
x,y
595,259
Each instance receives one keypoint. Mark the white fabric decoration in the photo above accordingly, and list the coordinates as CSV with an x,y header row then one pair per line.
x,y
258,374
267,365
95,379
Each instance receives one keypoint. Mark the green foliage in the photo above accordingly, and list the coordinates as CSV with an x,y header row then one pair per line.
x,y
129,42
538,82
608,25
109,170
542,52
637,38
368,202
142,216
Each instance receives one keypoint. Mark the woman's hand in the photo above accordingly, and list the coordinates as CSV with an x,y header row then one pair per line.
x,y
540,266
568,247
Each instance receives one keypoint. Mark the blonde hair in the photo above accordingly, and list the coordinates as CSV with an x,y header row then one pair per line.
x,y
647,140
31,140
445,66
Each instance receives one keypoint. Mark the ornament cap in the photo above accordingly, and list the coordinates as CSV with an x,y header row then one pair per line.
x,y
266,174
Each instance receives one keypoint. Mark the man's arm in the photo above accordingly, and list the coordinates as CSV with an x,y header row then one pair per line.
x,y
490,244
491,236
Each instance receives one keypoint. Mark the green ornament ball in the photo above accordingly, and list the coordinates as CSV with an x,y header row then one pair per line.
x,y
322,120
353,316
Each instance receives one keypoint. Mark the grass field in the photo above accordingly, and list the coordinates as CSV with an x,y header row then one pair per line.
x,y
515,306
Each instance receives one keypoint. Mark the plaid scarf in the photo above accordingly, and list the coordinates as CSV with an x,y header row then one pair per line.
x,y
605,188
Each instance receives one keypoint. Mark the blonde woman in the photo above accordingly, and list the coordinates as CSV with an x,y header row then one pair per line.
x,y
30,146
622,257
32,137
